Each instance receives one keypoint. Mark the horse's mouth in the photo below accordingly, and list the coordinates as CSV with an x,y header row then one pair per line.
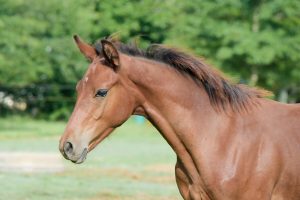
x,y
82,157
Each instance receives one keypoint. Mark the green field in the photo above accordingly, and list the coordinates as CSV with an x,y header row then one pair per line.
x,y
135,162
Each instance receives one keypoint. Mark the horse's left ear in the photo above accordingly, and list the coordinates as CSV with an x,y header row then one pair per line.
x,y
110,54
87,50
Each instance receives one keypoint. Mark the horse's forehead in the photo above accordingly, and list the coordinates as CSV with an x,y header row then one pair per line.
x,y
93,70
96,73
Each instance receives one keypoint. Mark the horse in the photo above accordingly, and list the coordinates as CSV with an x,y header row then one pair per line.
x,y
231,141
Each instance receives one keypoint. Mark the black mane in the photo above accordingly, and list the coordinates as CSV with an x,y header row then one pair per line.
x,y
222,93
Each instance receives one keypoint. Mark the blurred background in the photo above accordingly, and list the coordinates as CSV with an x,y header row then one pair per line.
x,y
256,42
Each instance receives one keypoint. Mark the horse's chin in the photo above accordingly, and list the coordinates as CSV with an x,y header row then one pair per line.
x,y
99,139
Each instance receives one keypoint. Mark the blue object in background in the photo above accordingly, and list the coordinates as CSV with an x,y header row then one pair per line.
x,y
139,119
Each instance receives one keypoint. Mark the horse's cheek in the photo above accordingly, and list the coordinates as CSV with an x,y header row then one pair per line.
x,y
99,111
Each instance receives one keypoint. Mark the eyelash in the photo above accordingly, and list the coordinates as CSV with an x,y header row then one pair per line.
x,y
101,93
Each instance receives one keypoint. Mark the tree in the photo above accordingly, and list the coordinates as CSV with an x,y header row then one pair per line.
x,y
256,41
37,54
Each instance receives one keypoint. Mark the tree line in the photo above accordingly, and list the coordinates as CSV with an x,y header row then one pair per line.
x,y
256,42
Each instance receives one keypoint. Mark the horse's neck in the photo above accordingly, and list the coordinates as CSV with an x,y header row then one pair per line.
x,y
176,106
172,97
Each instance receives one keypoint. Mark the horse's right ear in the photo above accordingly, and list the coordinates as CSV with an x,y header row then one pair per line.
x,y
87,50
110,54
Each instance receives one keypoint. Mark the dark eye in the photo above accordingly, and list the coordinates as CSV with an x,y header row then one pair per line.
x,y
101,93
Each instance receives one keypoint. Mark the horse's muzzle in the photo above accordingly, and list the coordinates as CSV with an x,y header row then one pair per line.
x,y
68,151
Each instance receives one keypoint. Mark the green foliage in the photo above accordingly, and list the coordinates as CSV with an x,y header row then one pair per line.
x,y
256,41
37,54
36,44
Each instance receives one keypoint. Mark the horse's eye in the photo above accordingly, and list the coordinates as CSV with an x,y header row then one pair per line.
x,y
101,93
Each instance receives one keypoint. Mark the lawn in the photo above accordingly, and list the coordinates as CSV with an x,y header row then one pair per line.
x,y
135,162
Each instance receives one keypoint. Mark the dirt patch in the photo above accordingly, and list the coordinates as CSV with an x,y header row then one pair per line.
x,y
158,173
98,172
31,162
110,196
166,168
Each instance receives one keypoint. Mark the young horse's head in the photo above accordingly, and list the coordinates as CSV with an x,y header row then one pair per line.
x,y
103,101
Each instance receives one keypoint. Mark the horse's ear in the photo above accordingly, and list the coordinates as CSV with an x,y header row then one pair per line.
x,y
110,54
87,50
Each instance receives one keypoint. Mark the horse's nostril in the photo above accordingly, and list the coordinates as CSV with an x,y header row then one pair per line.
x,y
68,148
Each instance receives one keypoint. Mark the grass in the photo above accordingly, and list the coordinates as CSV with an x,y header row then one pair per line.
x,y
133,163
